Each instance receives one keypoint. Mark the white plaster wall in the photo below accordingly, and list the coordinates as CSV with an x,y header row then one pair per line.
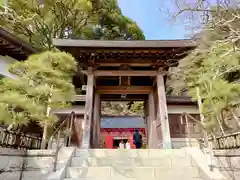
x,y
179,109
76,109
5,62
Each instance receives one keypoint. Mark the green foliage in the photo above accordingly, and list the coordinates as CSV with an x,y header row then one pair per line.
x,y
40,23
137,107
122,108
42,81
113,25
207,69
213,68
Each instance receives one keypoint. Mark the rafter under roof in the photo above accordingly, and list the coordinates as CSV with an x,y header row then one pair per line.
x,y
12,46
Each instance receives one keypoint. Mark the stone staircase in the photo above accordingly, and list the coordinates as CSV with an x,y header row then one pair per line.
x,y
107,164
53,144
141,164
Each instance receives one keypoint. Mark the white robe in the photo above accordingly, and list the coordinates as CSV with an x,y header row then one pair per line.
x,y
121,145
128,146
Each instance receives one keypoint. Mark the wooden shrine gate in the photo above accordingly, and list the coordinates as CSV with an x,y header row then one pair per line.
x,y
156,109
126,71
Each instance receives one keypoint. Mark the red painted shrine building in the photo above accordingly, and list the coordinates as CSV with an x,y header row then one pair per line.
x,y
117,128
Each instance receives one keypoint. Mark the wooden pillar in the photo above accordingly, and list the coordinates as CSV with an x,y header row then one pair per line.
x,y
162,112
77,131
152,134
96,119
146,117
88,111
99,123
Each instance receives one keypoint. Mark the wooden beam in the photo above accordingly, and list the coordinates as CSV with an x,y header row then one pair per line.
x,y
109,64
82,98
130,62
123,73
120,99
79,98
124,89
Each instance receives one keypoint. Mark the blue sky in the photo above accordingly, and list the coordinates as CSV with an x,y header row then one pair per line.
x,y
152,19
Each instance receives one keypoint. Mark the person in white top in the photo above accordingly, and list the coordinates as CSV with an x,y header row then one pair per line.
x,y
121,145
128,145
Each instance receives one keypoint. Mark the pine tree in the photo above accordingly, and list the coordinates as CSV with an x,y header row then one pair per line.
x,y
44,81
211,70
207,69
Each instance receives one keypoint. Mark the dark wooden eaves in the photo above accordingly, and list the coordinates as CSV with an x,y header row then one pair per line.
x,y
12,46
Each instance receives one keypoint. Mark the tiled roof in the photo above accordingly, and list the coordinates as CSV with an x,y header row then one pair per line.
x,y
122,122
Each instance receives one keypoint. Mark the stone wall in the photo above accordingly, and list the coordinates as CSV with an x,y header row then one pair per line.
x,y
35,164
178,143
10,159
228,162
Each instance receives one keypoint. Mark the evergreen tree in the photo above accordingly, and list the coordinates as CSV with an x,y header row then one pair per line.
x,y
44,81
210,71
112,24
38,23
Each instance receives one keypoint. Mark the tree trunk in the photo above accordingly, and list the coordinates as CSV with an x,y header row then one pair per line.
x,y
220,125
45,128
10,127
44,137
205,135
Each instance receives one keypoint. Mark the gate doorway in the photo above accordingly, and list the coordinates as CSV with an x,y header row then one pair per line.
x,y
117,141
119,128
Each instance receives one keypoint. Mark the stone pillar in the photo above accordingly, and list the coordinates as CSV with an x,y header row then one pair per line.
x,y
152,135
162,112
88,111
96,119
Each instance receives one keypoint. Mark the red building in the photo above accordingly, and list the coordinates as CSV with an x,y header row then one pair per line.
x,y
117,128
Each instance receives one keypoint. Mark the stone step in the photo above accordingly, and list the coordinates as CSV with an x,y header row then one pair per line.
x,y
143,153
140,173
27,175
37,163
41,152
167,162
122,179
100,179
